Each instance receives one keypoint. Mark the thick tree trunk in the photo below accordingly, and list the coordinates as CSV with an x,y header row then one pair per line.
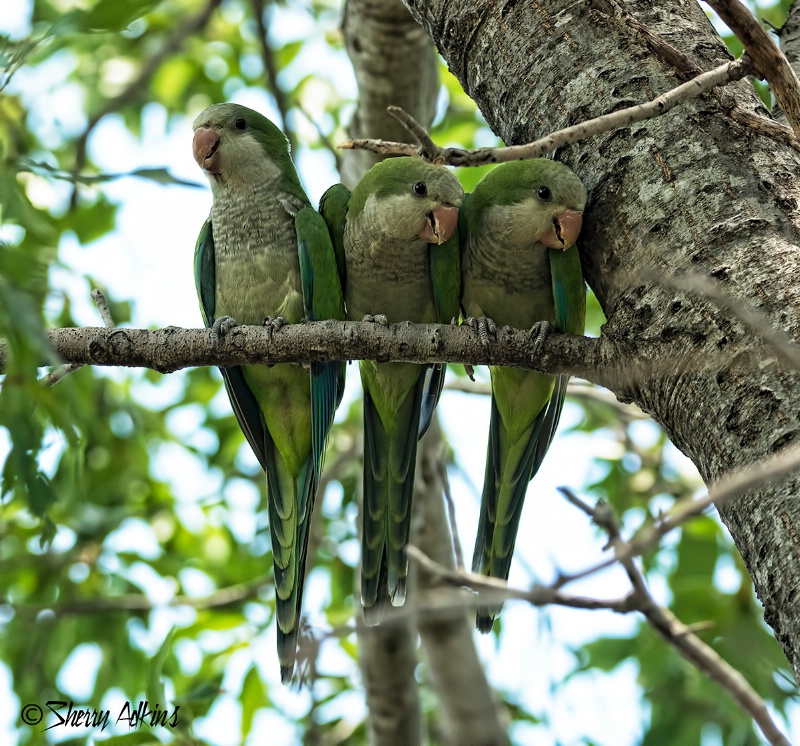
x,y
692,192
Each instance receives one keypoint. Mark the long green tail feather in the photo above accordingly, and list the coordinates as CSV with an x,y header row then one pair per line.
x,y
389,467
494,544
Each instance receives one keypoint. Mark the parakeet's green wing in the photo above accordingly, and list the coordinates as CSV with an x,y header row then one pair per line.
x,y
244,404
445,263
333,208
322,298
569,296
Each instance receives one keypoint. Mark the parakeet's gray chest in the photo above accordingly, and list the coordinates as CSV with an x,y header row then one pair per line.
x,y
510,284
255,246
389,277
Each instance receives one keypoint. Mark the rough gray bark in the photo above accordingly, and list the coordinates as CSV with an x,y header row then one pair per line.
x,y
387,657
395,65
170,349
691,192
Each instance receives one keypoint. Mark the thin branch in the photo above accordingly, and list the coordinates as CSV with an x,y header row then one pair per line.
x,y
271,69
52,378
580,390
727,488
229,596
677,634
721,75
102,308
420,134
492,590
768,61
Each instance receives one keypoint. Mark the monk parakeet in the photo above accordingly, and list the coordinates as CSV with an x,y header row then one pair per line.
x,y
520,268
397,243
264,256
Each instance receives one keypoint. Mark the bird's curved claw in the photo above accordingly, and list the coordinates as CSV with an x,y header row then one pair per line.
x,y
484,327
273,324
378,318
538,334
220,329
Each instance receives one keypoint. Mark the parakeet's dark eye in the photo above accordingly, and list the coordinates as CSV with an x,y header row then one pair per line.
x,y
240,124
543,193
420,189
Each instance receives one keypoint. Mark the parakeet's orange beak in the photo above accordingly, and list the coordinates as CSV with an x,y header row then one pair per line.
x,y
205,145
440,225
564,230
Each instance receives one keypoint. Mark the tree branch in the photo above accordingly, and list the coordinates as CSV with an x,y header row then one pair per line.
x,y
725,489
171,348
229,596
721,75
768,61
271,70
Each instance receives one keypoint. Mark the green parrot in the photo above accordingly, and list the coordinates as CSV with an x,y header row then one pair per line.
x,y
520,268
396,242
264,256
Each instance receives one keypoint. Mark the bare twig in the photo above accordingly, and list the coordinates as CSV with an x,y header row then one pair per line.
x,y
725,489
54,376
677,634
580,390
768,60
229,596
428,147
271,70
102,308
492,590
721,75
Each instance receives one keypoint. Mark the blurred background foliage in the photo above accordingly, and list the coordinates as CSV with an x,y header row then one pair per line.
x,y
119,583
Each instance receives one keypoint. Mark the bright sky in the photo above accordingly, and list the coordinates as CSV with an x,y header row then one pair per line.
x,y
148,259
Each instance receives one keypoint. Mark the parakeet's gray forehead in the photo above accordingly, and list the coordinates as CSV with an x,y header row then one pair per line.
x,y
396,176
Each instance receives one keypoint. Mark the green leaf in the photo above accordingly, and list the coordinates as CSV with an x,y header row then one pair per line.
x,y
253,697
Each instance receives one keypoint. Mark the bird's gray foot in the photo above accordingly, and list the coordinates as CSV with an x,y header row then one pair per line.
x,y
273,324
484,327
538,334
378,318
219,329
